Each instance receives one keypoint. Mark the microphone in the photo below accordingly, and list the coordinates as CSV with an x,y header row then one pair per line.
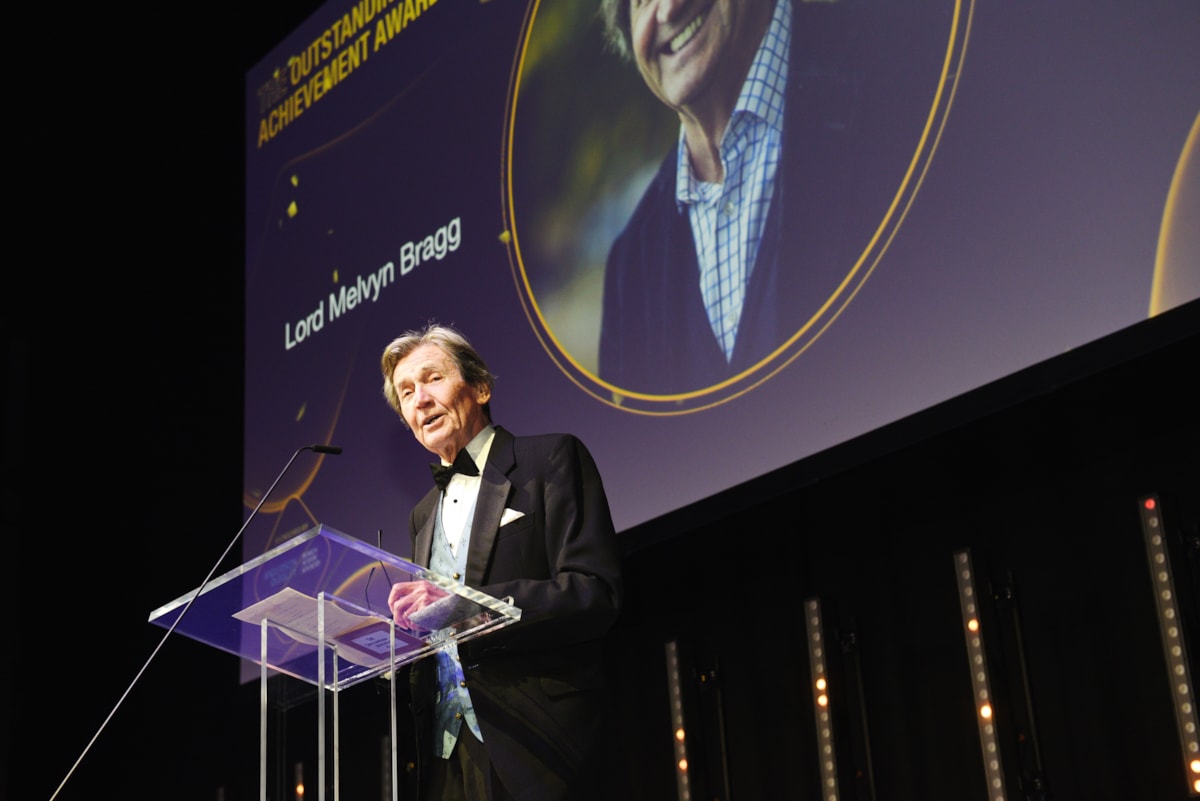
x,y
330,449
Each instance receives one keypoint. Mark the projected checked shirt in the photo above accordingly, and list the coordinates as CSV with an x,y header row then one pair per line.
x,y
727,218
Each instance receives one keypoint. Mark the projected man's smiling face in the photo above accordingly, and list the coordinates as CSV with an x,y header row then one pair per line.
x,y
694,55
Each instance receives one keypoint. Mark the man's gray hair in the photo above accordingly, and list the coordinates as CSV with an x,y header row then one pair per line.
x,y
614,14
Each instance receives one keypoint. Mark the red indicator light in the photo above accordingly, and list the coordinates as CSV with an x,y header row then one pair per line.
x,y
1149,503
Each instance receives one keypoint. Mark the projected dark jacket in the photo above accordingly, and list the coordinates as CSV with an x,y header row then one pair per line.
x,y
655,334
539,686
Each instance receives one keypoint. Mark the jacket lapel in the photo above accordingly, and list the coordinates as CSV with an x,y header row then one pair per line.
x,y
494,489
423,544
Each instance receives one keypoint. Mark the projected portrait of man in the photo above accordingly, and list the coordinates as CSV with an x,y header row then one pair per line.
x,y
753,221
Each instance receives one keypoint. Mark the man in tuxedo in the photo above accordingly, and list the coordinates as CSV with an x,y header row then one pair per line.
x,y
522,712
783,172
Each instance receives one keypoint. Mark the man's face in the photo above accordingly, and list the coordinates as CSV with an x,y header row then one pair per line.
x,y
442,410
696,53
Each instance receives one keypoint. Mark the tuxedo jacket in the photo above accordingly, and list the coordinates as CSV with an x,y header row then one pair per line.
x,y
843,156
539,686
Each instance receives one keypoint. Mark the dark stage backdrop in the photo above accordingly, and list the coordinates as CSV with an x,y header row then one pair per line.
x,y
1031,186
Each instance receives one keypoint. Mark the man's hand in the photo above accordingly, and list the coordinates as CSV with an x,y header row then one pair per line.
x,y
410,597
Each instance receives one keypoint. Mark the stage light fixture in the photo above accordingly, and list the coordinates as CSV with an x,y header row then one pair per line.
x,y
989,740
1171,629
818,670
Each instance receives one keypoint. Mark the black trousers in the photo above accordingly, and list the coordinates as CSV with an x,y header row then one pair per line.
x,y
467,775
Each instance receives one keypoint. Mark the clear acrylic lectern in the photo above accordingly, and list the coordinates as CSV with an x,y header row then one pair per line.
x,y
315,608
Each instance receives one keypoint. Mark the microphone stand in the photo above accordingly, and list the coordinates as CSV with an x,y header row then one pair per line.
x,y
331,449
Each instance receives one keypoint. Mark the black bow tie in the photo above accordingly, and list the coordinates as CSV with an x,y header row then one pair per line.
x,y
463,463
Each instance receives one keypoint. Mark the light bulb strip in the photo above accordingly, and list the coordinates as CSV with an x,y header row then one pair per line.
x,y
818,671
678,728
1170,627
985,713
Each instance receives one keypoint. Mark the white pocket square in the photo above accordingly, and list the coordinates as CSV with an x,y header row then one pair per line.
x,y
509,516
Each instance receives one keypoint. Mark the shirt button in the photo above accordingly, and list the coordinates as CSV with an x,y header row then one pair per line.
x,y
457,576
462,683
